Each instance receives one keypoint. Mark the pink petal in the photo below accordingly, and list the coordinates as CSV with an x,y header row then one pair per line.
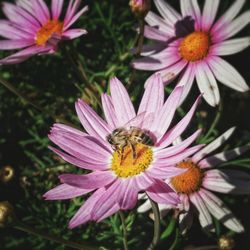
x,y
85,164
71,10
153,97
157,61
73,19
109,111
41,10
178,129
143,181
93,180
164,171
64,192
227,74
84,214
15,44
166,114
209,13
207,84
213,145
167,161
166,152
11,31
108,203
161,193
127,198
168,13
87,148
25,54
155,34
170,73
91,121
123,106
56,8
73,33
19,16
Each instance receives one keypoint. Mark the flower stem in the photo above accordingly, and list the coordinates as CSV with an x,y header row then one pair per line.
x,y
157,225
215,122
125,240
22,227
139,47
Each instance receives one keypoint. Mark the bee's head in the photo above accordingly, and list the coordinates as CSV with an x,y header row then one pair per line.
x,y
109,138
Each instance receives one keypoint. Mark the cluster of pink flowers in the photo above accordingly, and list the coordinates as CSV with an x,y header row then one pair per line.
x,y
178,176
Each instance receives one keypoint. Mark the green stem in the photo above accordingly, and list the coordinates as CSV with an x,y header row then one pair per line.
x,y
215,122
139,47
22,227
157,225
125,240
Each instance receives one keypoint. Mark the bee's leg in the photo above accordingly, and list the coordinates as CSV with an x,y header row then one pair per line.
x,y
133,150
122,153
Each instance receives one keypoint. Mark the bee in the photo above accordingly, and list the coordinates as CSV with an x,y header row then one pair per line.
x,y
122,137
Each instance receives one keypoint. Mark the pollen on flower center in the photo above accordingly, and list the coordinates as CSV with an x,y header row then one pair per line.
x,y
195,46
126,166
45,32
190,181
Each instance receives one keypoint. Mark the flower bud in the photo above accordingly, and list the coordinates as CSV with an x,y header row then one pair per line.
x,y
7,173
226,243
6,213
140,7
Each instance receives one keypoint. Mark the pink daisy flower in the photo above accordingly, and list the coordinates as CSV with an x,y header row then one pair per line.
x,y
192,43
195,185
116,178
31,27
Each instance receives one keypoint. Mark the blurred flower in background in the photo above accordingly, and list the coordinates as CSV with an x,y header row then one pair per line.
x,y
195,185
33,28
117,174
140,7
191,44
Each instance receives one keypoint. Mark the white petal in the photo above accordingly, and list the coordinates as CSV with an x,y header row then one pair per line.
x,y
207,84
209,13
220,211
204,215
227,74
230,47
167,12
229,15
213,145
154,20
191,8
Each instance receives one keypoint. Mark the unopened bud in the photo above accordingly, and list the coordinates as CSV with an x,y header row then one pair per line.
x,y
7,173
140,7
226,243
6,213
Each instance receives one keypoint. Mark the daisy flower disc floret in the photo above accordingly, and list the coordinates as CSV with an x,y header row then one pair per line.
x,y
195,187
118,174
191,43
33,28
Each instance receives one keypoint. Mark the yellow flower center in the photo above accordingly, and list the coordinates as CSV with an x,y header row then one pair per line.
x,y
45,33
190,181
195,46
126,165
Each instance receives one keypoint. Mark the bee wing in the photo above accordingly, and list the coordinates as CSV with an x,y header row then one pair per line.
x,y
141,120
136,121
